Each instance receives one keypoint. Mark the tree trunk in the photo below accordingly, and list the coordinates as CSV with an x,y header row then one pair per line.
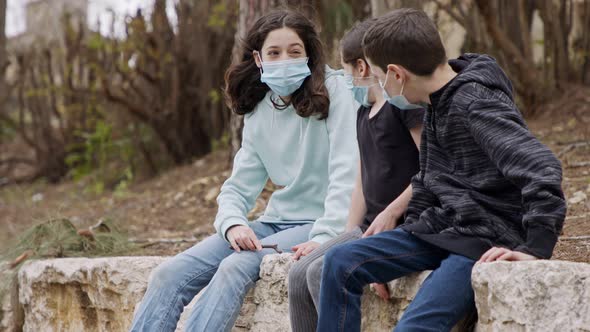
x,y
174,85
556,27
585,42
3,60
510,47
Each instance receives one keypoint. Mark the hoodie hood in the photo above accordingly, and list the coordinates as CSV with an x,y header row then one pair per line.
x,y
474,68
332,72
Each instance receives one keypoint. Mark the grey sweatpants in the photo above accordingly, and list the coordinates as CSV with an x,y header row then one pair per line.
x,y
304,284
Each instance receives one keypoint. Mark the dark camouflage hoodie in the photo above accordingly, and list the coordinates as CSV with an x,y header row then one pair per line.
x,y
484,179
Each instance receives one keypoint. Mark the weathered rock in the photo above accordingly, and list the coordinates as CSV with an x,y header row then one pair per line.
x,y
270,295
272,305
266,307
80,294
10,315
379,315
532,296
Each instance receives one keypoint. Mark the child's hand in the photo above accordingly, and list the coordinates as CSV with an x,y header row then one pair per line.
x,y
243,237
384,221
382,291
503,254
304,249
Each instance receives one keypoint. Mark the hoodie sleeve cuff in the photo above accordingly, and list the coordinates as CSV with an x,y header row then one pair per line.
x,y
227,224
540,242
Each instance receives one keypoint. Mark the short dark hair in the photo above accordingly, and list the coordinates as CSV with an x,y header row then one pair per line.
x,y
405,37
351,43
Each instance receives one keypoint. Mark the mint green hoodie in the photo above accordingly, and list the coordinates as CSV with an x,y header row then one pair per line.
x,y
315,161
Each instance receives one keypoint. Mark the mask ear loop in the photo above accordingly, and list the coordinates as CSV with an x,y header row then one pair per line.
x,y
363,78
359,77
256,53
272,121
401,93
385,81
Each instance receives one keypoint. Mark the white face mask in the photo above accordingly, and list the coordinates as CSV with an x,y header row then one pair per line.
x,y
398,101
284,77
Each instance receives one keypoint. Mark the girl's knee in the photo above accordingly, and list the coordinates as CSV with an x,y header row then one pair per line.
x,y
314,271
165,274
239,264
297,276
314,278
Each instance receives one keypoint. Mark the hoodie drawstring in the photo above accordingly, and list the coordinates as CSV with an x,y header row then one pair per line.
x,y
300,129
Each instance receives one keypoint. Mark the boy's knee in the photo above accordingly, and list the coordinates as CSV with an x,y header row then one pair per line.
x,y
335,258
465,261
462,264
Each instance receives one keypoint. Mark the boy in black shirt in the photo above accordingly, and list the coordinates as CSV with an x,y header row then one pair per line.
x,y
487,190
388,141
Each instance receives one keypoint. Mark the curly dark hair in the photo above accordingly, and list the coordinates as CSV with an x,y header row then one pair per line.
x,y
243,88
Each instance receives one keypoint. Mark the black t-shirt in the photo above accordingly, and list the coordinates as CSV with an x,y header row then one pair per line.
x,y
389,157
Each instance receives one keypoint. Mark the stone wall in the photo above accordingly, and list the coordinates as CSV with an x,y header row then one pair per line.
x,y
80,294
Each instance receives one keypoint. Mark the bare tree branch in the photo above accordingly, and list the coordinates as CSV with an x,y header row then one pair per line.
x,y
459,18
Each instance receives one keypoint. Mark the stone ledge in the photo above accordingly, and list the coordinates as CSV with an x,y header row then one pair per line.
x,y
532,296
80,294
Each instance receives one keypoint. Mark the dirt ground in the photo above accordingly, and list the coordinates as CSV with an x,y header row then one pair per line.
x,y
565,128
170,212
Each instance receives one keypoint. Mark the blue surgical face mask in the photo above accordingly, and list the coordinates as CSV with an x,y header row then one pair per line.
x,y
284,77
360,93
398,101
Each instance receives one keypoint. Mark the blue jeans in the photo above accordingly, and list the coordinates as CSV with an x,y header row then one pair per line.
x,y
212,263
444,298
